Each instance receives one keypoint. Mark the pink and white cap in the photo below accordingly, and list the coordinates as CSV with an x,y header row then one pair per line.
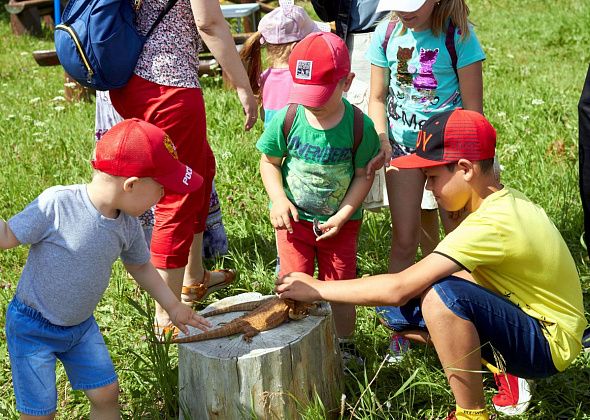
x,y
288,23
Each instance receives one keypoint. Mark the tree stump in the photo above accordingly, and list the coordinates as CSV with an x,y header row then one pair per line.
x,y
281,369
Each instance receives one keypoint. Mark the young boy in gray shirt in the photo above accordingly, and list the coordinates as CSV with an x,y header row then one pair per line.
x,y
76,233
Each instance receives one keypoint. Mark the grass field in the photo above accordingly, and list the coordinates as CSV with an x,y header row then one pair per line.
x,y
537,56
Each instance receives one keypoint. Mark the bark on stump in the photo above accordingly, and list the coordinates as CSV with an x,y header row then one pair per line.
x,y
227,378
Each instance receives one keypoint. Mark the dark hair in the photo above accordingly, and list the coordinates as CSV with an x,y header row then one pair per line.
x,y
486,165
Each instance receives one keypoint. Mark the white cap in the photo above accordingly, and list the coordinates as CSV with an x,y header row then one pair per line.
x,y
399,5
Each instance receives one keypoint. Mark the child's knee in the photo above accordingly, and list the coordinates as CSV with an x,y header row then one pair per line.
x,y
406,240
106,396
433,308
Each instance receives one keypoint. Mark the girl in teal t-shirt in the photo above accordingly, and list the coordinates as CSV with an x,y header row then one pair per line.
x,y
421,82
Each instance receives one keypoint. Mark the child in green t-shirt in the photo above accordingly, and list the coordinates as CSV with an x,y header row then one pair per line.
x,y
316,177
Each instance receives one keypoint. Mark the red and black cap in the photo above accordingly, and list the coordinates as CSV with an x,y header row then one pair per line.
x,y
450,136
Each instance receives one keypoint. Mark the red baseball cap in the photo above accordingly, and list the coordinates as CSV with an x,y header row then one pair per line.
x,y
450,136
137,148
317,64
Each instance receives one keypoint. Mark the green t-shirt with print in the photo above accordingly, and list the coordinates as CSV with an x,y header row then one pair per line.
x,y
318,166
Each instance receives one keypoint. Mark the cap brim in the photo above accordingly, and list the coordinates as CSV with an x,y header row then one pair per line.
x,y
182,180
413,161
399,5
311,95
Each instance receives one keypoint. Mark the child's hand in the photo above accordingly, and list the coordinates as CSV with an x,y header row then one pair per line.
x,y
181,316
281,213
381,159
298,286
330,227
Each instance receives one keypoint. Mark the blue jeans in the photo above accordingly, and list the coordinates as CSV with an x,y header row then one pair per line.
x,y
501,325
34,344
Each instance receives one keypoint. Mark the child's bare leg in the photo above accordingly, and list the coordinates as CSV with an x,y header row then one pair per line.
x,y
47,417
173,278
457,344
104,402
344,319
404,189
417,336
195,270
429,233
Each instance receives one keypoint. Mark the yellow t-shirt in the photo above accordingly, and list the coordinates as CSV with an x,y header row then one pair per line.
x,y
511,247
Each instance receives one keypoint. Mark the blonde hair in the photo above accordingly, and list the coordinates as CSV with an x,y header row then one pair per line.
x,y
455,10
251,55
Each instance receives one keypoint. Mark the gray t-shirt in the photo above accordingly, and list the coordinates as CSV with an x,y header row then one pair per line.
x,y
73,248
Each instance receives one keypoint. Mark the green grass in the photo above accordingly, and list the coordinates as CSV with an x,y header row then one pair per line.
x,y
537,56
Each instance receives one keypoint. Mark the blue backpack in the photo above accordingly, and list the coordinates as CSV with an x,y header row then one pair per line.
x,y
97,42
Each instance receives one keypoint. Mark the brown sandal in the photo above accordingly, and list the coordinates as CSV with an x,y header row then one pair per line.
x,y
202,290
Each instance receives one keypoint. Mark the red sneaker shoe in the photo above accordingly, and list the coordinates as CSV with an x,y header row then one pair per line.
x,y
514,394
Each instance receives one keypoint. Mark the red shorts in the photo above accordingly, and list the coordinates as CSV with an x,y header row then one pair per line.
x,y
180,112
336,256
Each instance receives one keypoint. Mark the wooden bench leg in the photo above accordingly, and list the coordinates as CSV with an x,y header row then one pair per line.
x,y
26,22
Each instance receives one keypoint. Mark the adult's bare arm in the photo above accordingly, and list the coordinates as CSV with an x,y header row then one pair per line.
x,y
215,32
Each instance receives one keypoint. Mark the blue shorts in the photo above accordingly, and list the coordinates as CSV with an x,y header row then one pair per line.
x,y
34,344
502,326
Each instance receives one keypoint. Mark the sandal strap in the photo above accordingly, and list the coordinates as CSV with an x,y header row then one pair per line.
x,y
163,331
200,290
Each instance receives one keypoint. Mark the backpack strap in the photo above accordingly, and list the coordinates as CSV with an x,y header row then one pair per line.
x,y
390,27
450,44
358,126
288,122
163,13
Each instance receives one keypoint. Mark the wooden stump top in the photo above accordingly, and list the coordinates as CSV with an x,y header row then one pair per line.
x,y
265,342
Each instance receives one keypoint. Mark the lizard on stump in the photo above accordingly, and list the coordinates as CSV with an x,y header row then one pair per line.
x,y
265,315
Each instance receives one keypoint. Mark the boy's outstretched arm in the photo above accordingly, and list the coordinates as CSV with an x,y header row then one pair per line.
x,y
357,191
282,208
7,238
383,289
149,279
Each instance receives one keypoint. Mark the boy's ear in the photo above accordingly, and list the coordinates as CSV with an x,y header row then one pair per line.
x,y
348,82
467,167
129,183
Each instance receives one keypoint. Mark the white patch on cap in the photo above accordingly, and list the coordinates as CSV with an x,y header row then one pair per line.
x,y
303,69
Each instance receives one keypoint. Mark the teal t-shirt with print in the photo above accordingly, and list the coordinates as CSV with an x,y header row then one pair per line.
x,y
318,166
423,82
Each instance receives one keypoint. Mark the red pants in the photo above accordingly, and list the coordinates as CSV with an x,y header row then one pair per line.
x,y
336,256
180,112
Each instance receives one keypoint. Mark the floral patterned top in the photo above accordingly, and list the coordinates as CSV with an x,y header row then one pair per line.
x,y
170,56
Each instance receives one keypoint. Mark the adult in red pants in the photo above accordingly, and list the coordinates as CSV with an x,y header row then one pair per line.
x,y
165,91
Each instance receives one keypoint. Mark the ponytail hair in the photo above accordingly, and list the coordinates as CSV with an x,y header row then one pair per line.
x,y
455,10
252,61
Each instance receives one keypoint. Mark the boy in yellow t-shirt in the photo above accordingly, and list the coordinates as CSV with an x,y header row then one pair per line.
x,y
503,282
